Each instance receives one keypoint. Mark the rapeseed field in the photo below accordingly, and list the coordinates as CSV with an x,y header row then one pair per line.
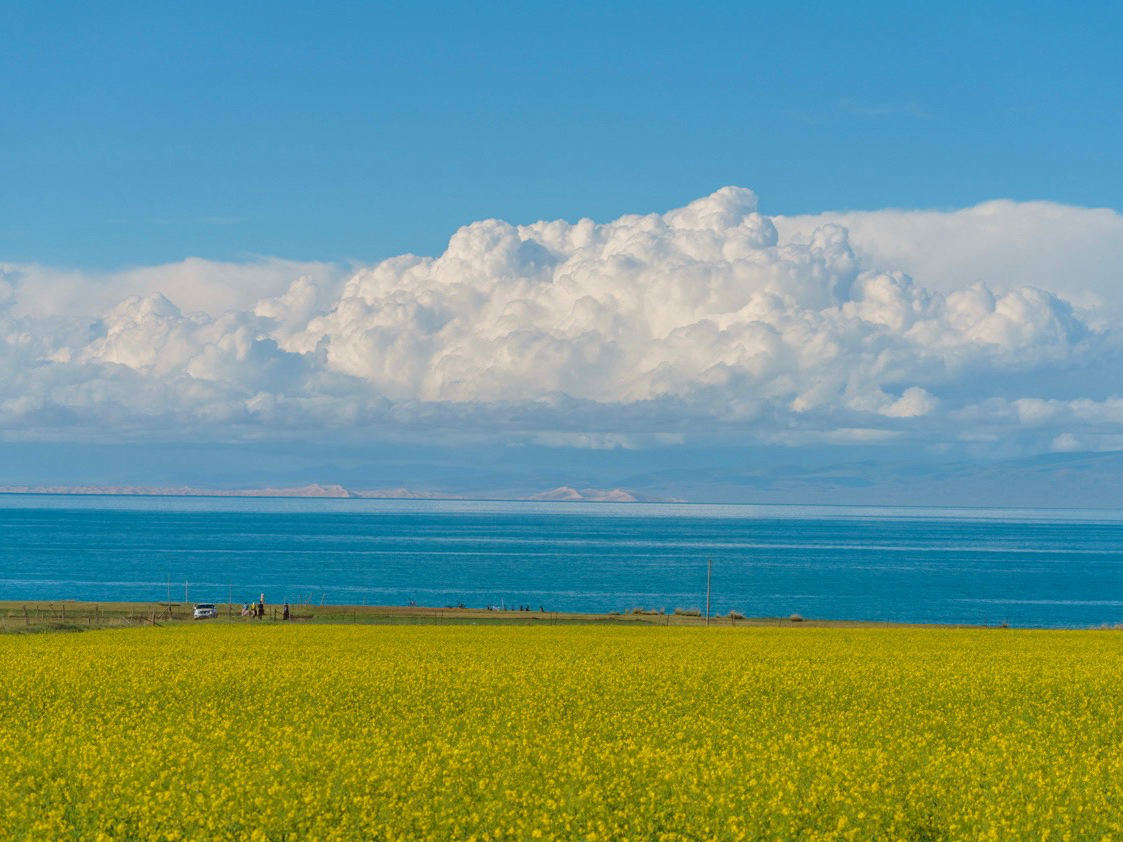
x,y
588,733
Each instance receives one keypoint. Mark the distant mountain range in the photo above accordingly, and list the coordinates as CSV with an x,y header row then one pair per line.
x,y
316,490
1056,480
313,490
565,493
1061,480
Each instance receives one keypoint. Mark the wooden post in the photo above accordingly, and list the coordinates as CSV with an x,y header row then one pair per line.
x,y
64,612
26,616
97,613
709,570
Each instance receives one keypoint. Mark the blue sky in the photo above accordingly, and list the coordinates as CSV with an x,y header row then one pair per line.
x,y
138,133
353,241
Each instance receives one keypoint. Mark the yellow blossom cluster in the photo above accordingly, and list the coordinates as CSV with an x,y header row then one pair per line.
x,y
588,733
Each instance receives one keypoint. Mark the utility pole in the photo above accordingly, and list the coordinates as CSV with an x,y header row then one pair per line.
x,y
709,571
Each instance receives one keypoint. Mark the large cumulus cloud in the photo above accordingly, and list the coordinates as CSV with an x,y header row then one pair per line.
x,y
1077,252
708,318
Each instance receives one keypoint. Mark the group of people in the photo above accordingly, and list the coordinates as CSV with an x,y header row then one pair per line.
x,y
257,609
541,608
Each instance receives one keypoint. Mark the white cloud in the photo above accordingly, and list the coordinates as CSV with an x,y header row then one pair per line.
x,y
606,441
1065,443
1070,251
195,285
631,333
912,403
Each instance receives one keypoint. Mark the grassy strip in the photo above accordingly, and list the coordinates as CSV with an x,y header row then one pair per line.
x,y
18,617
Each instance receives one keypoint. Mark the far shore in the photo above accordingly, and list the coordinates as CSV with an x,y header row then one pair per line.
x,y
18,616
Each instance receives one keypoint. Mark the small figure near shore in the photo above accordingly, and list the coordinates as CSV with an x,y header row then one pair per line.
x,y
245,609
285,616
261,607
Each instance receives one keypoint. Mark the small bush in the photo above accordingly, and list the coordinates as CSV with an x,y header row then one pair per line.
x,y
736,615
688,612
795,618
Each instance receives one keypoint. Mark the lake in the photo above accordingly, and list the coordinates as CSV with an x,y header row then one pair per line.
x,y
1055,568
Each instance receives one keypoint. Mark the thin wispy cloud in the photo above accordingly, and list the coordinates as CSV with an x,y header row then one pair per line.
x,y
907,108
847,108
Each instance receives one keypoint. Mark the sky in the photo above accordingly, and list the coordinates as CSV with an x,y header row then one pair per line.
x,y
536,234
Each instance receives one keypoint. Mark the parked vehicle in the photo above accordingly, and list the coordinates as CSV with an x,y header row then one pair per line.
x,y
206,611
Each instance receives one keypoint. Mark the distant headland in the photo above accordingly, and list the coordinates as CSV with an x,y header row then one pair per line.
x,y
562,493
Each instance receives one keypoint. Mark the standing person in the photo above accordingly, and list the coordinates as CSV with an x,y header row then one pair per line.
x,y
286,614
261,607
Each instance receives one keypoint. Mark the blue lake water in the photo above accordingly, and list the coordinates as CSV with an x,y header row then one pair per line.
x,y
1023,567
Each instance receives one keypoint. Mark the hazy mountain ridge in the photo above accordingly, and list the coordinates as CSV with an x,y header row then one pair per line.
x,y
1076,480
1062,480
566,493
335,491
311,490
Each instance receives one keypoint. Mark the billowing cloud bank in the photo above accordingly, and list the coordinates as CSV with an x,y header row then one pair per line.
x,y
647,329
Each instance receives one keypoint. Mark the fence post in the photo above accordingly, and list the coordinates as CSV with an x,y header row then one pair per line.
x,y
709,571
26,616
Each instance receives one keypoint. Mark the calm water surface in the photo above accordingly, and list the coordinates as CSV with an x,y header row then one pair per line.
x,y
1024,567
